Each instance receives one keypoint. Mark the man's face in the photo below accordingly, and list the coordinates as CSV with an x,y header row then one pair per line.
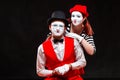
x,y
76,18
57,28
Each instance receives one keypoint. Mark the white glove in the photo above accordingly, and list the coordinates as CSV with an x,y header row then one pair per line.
x,y
76,36
63,69
60,70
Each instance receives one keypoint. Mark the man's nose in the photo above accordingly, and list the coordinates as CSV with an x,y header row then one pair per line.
x,y
57,27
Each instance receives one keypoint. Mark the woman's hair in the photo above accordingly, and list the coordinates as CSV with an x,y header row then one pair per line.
x,y
87,28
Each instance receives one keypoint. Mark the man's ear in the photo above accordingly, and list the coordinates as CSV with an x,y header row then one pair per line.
x,y
49,27
65,28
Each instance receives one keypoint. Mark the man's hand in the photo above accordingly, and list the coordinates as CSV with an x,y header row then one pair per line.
x,y
62,69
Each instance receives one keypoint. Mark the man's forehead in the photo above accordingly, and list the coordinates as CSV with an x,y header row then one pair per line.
x,y
57,22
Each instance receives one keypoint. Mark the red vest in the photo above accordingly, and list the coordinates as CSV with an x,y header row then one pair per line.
x,y
69,57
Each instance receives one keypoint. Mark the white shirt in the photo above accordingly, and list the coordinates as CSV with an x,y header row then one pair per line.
x,y
59,50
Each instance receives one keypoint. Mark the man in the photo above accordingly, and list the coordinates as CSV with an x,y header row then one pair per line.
x,y
59,57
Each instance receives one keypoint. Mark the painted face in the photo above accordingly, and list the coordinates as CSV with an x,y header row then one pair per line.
x,y
76,17
57,28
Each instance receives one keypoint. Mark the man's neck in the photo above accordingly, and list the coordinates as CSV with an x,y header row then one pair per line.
x,y
58,37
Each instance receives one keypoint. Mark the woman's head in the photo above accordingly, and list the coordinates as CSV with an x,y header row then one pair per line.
x,y
80,8
78,12
79,20
76,17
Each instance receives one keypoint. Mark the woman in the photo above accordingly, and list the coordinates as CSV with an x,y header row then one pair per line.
x,y
79,25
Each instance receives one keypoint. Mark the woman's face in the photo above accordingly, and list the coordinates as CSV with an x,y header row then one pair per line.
x,y
57,28
76,18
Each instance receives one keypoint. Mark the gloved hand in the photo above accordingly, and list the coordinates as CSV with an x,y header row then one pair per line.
x,y
76,36
63,69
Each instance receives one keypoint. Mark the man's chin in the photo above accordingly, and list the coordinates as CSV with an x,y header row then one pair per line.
x,y
57,36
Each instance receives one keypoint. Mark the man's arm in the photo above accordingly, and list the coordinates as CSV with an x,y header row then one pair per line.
x,y
40,63
80,58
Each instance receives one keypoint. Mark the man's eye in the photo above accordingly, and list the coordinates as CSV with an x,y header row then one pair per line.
x,y
54,25
61,25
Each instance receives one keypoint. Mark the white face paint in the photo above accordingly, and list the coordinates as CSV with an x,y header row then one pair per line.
x,y
76,17
57,28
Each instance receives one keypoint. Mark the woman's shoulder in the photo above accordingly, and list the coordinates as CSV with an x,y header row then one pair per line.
x,y
85,35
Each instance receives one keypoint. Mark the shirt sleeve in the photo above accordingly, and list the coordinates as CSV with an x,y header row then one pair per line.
x,y
40,63
80,58
90,40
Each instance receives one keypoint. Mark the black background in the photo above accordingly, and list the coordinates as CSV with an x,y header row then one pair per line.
x,y
23,27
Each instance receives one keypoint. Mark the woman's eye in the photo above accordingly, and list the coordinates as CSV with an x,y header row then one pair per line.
x,y
78,16
73,15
